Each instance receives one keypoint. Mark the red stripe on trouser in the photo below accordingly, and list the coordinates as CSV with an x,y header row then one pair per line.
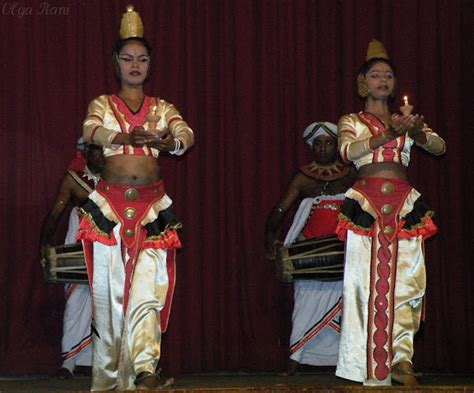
x,y
316,329
83,345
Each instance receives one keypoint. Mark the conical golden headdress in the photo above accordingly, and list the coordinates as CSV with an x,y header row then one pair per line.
x,y
376,50
131,24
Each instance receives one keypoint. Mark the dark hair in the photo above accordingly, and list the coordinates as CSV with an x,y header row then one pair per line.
x,y
90,147
364,68
122,42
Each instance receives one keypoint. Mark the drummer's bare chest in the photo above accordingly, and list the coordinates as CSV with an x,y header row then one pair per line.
x,y
78,195
315,188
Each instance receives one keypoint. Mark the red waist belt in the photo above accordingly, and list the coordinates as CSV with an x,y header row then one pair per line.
x,y
387,197
130,204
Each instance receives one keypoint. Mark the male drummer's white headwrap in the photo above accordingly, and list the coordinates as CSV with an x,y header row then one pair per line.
x,y
319,128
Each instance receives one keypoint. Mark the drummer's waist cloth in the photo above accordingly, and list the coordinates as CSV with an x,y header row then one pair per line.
x,y
384,223
129,238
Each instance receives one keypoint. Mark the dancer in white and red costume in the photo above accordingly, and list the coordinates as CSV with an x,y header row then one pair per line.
x,y
128,227
384,223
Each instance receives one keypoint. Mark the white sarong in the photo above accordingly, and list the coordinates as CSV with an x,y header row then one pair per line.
x,y
317,307
76,340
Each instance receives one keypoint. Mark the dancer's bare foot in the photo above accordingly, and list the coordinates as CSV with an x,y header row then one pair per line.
x,y
292,369
152,381
404,374
147,381
166,383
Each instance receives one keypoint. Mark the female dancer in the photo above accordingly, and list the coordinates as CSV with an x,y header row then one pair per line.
x,y
128,228
384,223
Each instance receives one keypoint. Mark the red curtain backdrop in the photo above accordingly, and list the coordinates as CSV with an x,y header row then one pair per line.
x,y
248,75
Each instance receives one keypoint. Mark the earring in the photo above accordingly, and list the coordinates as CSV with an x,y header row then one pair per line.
x,y
362,88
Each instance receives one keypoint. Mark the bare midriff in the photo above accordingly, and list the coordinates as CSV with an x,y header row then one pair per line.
x,y
388,170
131,170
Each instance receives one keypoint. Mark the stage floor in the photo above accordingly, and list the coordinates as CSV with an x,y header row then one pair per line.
x,y
307,382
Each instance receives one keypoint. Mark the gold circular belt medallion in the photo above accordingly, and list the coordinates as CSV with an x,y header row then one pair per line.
x,y
387,209
131,194
388,229
130,212
387,188
129,232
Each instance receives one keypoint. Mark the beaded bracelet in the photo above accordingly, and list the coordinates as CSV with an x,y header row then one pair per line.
x,y
177,146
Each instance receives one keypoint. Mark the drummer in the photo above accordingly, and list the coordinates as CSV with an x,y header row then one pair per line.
x,y
319,188
76,184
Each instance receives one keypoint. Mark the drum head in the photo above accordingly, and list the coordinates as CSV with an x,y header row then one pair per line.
x,y
312,259
65,263
282,269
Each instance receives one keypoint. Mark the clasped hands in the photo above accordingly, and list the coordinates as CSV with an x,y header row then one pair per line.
x,y
401,124
159,139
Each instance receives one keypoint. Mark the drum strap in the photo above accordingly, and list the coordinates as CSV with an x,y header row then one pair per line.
x,y
86,184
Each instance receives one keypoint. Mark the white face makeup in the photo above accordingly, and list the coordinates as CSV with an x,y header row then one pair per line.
x,y
133,61
380,80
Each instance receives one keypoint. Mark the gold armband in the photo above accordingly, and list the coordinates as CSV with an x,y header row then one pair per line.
x,y
434,144
177,126
182,132
99,135
358,149
93,126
